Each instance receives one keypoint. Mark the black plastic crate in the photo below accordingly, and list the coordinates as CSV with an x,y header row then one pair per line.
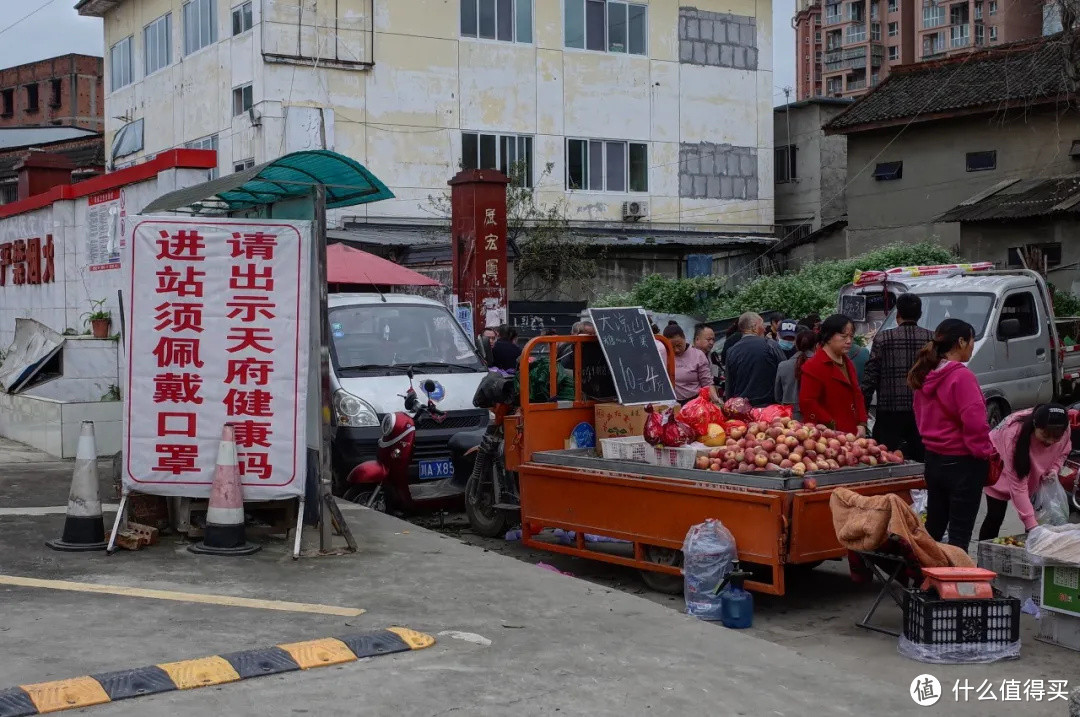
x,y
930,620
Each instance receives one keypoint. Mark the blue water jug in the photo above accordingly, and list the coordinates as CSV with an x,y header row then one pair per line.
x,y
736,604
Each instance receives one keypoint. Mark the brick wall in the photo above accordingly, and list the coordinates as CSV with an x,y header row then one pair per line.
x,y
69,92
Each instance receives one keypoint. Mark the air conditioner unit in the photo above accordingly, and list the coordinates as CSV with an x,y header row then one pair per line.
x,y
635,210
255,117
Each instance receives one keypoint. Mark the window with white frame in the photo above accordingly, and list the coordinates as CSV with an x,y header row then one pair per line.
x,y
241,18
243,164
200,24
505,20
993,7
894,53
241,99
511,154
120,69
210,142
894,29
607,166
894,5
606,26
157,44
993,33
785,163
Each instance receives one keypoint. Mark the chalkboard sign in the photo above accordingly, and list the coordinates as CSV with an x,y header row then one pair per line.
x,y
853,306
627,341
596,383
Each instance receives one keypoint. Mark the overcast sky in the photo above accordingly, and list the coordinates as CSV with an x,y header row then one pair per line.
x,y
56,29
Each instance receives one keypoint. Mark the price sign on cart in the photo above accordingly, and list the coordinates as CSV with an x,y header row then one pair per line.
x,y
629,347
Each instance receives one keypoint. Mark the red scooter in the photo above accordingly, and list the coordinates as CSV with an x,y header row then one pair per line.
x,y
384,483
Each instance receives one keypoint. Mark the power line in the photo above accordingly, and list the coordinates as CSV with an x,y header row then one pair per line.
x,y
28,15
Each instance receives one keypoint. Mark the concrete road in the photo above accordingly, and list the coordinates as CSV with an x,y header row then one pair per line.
x,y
512,638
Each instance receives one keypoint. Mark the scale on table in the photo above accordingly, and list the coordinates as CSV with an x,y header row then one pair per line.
x,y
959,583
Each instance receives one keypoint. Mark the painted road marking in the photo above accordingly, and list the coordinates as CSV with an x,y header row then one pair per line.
x,y
50,510
201,598
90,690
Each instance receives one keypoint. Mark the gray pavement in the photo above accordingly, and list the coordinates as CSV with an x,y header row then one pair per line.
x,y
558,645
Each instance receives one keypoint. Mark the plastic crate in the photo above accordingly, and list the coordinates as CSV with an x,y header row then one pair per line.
x,y
929,620
1018,588
1008,560
626,448
1059,629
681,457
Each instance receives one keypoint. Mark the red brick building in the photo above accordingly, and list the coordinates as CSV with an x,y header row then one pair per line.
x,y
64,91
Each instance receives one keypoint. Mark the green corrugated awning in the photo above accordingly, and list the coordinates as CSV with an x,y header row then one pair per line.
x,y
347,183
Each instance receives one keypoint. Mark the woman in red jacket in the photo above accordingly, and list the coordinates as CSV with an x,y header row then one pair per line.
x,y
829,390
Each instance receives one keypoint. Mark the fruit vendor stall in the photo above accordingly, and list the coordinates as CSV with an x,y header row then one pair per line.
x,y
766,477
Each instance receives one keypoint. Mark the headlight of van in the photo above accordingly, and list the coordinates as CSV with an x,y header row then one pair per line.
x,y
352,411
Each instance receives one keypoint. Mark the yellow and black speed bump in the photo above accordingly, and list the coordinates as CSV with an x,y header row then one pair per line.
x,y
77,692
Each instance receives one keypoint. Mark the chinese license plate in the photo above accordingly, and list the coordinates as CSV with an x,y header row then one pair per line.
x,y
433,470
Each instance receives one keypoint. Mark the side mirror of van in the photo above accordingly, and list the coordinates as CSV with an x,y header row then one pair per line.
x,y
1008,329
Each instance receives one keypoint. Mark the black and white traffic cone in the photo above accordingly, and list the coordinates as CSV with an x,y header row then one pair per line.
x,y
84,528
224,534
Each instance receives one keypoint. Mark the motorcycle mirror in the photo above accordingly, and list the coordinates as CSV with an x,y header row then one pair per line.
x,y
409,373
429,386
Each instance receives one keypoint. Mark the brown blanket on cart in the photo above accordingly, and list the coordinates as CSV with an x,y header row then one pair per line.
x,y
866,522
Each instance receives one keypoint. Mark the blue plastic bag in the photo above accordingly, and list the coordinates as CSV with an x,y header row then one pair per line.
x,y
708,556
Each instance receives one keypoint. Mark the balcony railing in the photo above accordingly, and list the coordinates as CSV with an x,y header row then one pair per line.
x,y
856,33
856,85
854,63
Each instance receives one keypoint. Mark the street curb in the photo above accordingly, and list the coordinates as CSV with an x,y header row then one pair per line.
x,y
77,692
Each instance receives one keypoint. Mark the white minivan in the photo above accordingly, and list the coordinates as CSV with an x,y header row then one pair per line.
x,y
374,340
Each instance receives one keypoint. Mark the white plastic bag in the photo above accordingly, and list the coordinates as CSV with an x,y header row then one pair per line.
x,y
708,556
918,501
1051,503
1054,544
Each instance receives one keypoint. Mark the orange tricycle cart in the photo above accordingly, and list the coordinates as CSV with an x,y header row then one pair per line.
x,y
776,523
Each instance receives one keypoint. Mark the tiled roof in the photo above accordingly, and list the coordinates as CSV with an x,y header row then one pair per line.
x,y
1020,199
83,153
1028,72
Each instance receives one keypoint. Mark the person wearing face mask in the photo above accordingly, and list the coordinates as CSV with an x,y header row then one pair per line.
x,y
786,337
692,371
787,386
950,413
1032,445
829,391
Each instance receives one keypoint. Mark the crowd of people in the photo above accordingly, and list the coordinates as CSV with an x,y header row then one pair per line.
x,y
929,406
929,403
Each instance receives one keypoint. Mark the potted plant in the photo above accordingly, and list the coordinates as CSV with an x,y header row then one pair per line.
x,y
99,318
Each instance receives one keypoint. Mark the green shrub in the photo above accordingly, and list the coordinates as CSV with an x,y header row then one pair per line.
x,y
811,289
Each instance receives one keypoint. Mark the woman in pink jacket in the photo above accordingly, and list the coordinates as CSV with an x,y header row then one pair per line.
x,y
1033,446
950,414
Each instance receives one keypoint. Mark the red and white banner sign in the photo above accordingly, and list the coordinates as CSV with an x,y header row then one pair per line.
x,y
217,332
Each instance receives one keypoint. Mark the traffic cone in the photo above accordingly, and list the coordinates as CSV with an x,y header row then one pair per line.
x,y
84,528
224,534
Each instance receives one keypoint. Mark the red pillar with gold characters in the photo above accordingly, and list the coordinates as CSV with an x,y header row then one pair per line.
x,y
478,226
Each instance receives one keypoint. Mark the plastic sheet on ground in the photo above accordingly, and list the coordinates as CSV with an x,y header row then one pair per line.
x,y
959,653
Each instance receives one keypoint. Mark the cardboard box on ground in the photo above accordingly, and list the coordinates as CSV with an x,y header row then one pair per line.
x,y
613,420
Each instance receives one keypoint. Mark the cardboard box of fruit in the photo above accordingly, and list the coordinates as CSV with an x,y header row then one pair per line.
x,y
793,448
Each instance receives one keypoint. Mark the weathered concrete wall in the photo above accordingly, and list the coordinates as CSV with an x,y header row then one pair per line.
x,y
718,39
817,195
992,241
403,118
934,174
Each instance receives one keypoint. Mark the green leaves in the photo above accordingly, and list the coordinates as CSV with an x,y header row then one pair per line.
x,y
811,289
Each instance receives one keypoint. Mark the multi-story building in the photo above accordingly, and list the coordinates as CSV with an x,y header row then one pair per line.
x,y
644,115
808,49
863,39
60,91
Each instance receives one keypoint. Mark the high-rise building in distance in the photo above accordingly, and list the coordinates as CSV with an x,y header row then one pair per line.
x,y
844,47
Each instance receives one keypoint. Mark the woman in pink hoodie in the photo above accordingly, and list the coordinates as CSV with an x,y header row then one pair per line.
x,y
1033,445
951,417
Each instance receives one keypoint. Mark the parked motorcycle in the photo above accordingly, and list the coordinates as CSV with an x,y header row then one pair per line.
x,y
492,500
384,483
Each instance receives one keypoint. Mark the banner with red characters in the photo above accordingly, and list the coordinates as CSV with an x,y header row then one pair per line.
x,y
217,332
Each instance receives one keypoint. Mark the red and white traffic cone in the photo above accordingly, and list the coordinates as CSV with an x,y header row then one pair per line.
x,y
84,528
224,533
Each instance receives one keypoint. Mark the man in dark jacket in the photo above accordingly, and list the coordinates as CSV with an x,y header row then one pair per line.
x,y
891,357
505,353
751,363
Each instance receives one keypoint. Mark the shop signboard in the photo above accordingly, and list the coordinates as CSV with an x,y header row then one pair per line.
x,y
218,332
